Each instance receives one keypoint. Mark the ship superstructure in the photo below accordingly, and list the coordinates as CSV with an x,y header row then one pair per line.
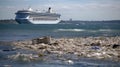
x,y
36,17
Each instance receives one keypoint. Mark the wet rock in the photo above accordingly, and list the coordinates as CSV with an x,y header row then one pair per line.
x,y
8,50
35,41
115,46
45,40
55,44
42,47
40,54
95,47
97,55
95,44
32,47
47,52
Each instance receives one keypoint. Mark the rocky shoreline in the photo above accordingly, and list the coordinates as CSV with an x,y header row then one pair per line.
x,y
89,47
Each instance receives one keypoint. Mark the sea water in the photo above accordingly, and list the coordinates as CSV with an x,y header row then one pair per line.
x,y
10,32
14,32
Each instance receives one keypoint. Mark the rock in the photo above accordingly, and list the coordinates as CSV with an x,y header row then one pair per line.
x,y
95,47
42,47
55,44
40,55
33,47
35,41
45,40
96,55
95,44
47,51
115,46
8,50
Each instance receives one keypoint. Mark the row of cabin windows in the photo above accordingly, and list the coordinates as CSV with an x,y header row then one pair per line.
x,y
45,19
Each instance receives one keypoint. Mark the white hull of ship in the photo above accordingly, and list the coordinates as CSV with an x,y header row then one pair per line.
x,y
44,21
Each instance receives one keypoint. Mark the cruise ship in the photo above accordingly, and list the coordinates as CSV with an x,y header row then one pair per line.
x,y
36,17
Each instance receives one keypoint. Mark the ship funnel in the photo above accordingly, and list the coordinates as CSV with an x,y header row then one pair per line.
x,y
49,10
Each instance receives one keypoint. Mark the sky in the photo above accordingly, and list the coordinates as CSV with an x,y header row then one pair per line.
x,y
75,9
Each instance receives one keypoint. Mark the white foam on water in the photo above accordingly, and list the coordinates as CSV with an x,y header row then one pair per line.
x,y
77,30
105,30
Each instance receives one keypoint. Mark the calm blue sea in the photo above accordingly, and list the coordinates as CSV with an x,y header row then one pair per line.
x,y
13,32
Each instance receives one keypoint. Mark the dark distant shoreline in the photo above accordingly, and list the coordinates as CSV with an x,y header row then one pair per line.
x,y
8,21
82,21
12,21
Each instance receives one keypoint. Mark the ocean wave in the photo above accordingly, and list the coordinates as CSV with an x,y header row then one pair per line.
x,y
106,30
87,30
71,30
